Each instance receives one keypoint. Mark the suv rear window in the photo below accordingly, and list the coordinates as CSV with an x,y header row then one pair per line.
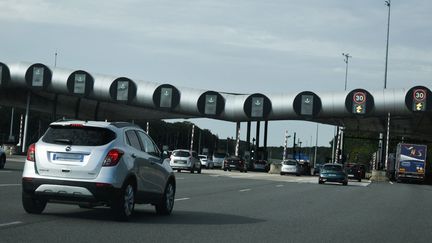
x,y
181,153
82,136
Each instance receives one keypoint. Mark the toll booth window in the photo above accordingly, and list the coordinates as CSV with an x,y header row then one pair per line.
x,y
80,81
257,107
210,105
307,105
38,76
123,90
166,98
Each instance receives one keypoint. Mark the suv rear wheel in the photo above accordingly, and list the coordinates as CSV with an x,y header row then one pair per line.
x,y
123,206
33,204
165,206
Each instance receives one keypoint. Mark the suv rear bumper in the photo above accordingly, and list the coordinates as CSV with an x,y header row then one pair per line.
x,y
70,191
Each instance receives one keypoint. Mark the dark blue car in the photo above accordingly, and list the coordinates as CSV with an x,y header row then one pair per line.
x,y
333,173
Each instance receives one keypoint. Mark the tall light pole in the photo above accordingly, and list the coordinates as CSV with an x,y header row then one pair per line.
x,y
346,60
388,4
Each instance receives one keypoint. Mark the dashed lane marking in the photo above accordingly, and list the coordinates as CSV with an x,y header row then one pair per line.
x,y
245,190
182,199
279,185
11,223
9,185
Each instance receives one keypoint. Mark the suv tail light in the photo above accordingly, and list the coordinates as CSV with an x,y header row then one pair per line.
x,y
113,157
31,153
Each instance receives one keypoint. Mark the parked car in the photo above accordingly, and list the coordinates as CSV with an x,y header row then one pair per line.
x,y
234,163
205,162
218,159
93,163
317,169
290,166
182,159
305,168
260,165
2,158
333,173
353,171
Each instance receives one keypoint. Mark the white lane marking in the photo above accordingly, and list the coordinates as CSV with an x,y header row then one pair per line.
x,y
11,223
391,182
279,185
10,185
181,199
245,190
180,178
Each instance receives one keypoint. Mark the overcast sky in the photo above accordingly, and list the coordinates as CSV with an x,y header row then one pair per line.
x,y
244,46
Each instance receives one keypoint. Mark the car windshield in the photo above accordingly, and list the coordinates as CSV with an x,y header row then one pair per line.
x,y
290,162
202,156
81,136
181,153
219,155
332,168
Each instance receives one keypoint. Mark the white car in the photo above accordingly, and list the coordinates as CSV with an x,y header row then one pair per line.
x,y
182,159
218,159
206,163
93,163
290,166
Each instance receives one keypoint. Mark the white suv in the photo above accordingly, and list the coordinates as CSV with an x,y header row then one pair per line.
x,y
182,159
97,164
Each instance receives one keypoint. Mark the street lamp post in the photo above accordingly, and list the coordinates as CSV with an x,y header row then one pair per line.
x,y
388,4
346,60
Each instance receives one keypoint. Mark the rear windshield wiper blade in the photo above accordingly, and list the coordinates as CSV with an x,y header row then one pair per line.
x,y
63,140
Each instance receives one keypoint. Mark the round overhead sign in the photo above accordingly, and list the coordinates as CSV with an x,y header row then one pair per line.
x,y
80,83
257,106
38,76
307,104
359,97
123,90
4,74
359,102
211,103
418,99
166,96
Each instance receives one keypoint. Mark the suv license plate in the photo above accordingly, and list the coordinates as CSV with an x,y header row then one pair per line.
x,y
68,157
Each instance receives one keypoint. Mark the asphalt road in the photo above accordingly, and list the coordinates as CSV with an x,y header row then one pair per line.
x,y
218,206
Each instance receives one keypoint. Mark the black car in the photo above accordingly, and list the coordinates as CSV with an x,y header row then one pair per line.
x,y
354,171
234,163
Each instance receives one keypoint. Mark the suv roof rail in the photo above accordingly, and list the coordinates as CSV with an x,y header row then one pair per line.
x,y
124,124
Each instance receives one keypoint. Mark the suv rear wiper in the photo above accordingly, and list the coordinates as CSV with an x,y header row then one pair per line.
x,y
63,140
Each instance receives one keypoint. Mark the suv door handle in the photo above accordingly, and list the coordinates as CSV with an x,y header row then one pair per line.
x,y
133,156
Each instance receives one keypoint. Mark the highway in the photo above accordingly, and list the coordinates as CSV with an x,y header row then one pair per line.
x,y
218,206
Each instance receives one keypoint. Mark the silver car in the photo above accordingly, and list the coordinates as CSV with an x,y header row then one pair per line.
x,y
290,166
205,162
182,159
97,164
